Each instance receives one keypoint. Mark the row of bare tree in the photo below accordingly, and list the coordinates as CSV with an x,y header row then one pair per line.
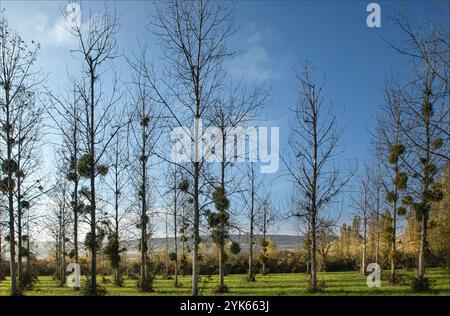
x,y
113,169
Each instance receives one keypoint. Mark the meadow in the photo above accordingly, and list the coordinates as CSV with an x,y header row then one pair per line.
x,y
292,284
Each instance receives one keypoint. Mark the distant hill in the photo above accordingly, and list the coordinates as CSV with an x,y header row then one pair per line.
x,y
282,242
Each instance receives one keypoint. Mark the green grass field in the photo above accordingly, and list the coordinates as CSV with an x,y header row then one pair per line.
x,y
337,283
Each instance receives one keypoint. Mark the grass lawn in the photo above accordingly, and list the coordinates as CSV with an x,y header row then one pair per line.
x,y
337,283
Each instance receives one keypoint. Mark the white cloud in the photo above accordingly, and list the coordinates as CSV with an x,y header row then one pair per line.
x,y
59,33
38,26
253,63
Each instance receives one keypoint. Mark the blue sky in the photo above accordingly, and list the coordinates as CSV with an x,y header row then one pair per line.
x,y
273,38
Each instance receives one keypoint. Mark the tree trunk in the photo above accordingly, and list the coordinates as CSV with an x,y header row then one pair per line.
x,y
92,193
19,235
76,180
197,139
1,257
364,245
12,233
377,242
195,261
251,276
75,199
175,237
166,261
221,266
423,245
313,210
264,272
59,249
63,254
313,284
426,181
28,246
364,253
393,277
222,226
143,248
116,206
144,272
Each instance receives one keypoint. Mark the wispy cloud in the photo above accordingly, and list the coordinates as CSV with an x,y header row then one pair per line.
x,y
38,26
254,61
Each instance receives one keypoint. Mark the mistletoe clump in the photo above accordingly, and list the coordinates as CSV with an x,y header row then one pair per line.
x,y
85,166
397,150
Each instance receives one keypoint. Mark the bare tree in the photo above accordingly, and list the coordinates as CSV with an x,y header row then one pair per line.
x,y
65,112
193,37
176,188
326,238
425,127
97,47
29,187
313,143
3,230
57,225
16,78
250,199
145,131
236,108
175,226
362,207
392,141
427,45
117,184
259,214
375,198
185,223
266,218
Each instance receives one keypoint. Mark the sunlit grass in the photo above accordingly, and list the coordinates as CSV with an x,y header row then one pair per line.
x,y
336,283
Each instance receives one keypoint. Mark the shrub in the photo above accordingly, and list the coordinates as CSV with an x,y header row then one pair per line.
x,y
235,248
86,289
221,289
27,281
146,285
420,285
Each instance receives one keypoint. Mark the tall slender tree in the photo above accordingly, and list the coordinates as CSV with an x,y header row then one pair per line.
x,y
313,144
57,225
118,178
375,199
392,140
424,99
144,135
16,78
231,114
65,112
267,218
97,47
193,37
362,205
29,188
